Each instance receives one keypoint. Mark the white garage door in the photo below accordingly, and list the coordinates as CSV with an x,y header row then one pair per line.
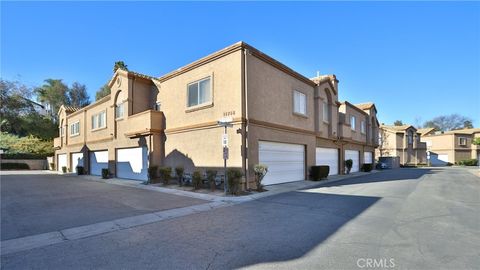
x,y
329,157
438,159
286,162
77,160
132,163
355,157
62,162
367,157
98,161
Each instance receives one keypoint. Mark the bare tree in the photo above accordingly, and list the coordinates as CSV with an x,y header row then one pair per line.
x,y
449,122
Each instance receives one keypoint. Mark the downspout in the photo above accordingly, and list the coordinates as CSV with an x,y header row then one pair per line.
x,y
246,133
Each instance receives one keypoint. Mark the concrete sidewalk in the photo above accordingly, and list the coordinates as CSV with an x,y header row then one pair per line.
x,y
272,190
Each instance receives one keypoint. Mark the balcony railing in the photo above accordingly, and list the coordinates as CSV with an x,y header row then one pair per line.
x,y
145,123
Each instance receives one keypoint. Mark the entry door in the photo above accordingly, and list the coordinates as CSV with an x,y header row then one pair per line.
x,y
329,157
62,162
132,163
355,157
98,161
286,162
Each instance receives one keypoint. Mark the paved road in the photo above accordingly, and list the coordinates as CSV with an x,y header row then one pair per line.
x,y
404,219
34,204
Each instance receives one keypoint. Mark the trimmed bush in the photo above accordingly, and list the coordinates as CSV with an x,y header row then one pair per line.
x,y
211,174
367,167
165,174
14,166
348,165
196,180
233,179
64,169
179,171
80,170
152,172
105,173
319,172
260,171
468,162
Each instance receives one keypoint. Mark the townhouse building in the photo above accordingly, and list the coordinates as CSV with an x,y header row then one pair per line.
x,y
403,142
452,146
278,117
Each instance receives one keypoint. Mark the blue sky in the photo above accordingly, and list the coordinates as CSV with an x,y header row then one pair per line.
x,y
415,60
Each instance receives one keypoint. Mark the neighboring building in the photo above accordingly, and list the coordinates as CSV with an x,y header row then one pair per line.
x,y
403,142
452,146
280,118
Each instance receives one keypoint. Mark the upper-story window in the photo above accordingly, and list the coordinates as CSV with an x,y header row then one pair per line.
x,y
119,110
157,106
352,122
462,141
326,115
363,127
99,120
199,92
62,131
75,129
410,137
299,102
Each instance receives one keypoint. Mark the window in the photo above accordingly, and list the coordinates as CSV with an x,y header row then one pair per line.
x,y
199,92
299,103
352,122
119,109
410,137
99,120
157,106
362,127
462,141
62,131
326,115
75,129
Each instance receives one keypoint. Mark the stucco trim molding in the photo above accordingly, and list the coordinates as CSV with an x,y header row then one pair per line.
x,y
281,127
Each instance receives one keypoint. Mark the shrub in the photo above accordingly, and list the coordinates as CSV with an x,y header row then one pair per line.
x,y
260,171
29,147
64,169
152,172
14,166
367,167
80,170
165,174
196,180
348,165
468,162
211,174
319,172
449,164
233,180
105,173
179,172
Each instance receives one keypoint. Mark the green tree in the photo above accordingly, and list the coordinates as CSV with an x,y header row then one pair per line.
x,y
398,123
119,65
102,92
55,93
467,124
14,104
78,96
476,141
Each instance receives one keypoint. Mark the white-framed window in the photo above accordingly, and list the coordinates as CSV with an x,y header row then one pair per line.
x,y
158,106
299,102
99,120
75,129
199,92
363,127
462,141
119,110
326,115
352,121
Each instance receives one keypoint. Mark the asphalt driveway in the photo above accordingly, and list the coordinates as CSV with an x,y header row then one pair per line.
x,y
39,203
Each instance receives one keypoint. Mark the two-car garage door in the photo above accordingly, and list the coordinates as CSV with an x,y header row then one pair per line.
x,y
286,162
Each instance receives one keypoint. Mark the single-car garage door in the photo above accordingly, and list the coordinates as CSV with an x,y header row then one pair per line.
x,y
355,157
98,161
286,162
77,160
132,163
368,157
61,162
329,157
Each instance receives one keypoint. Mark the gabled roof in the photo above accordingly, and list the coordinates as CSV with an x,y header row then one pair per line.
x,y
68,109
463,131
366,106
397,128
129,73
348,104
425,131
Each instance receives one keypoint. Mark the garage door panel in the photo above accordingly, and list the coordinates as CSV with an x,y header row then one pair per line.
x,y
368,157
62,161
77,160
327,157
132,163
98,161
286,162
355,157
